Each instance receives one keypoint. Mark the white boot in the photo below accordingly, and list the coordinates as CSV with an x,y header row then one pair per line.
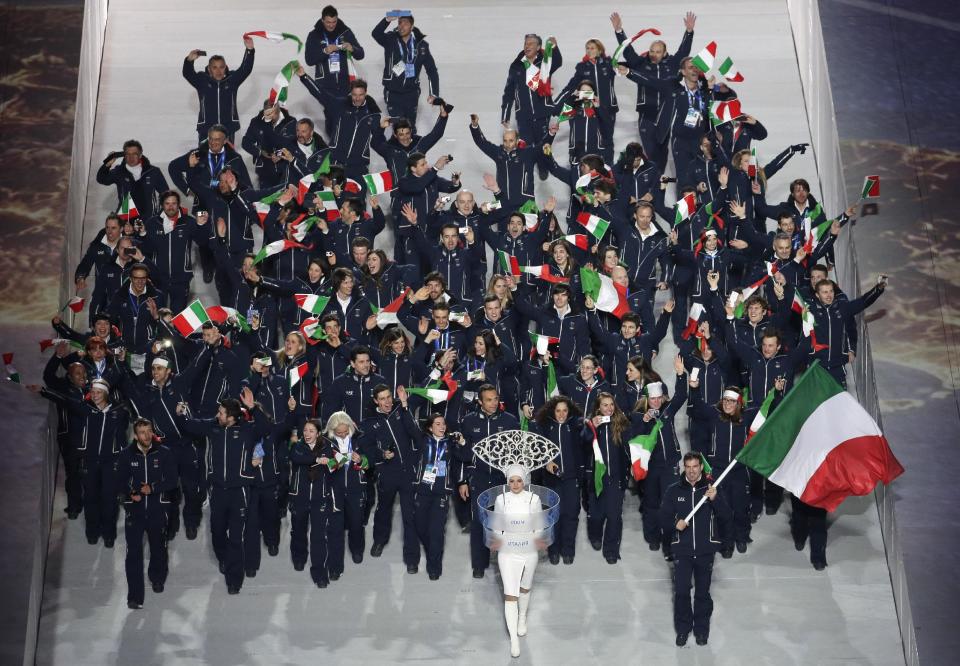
x,y
524,603
511,612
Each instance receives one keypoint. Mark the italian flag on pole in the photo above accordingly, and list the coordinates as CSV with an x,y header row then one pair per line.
x,y
607,295
276,247
221,313
693,320
729,72
275,37
725,112
807,320
599,467
378,183
705,59
531,215
545,66
191,318
686,207
387,315
437,392
579,241
311,302
595,225
128,209
871,187
541,343
297,373
762,414
641,448
821,445
307,181
329,202
531,74
12,373
543,272
508,263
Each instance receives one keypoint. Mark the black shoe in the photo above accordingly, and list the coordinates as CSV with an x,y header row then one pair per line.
x,y
597,545
434,576
771,510
93,540
377,549
741,547
799,545
701,639
299,566
667,556
568,559
250,573
233,589
555,558
542,172
273,551
322,583
357,557
208,275
726,553
465,529
107,543
654,545
478,573
158,588
611,559
819,566
412,568
133,605
73,515
191,533
682,639
334,575
222,566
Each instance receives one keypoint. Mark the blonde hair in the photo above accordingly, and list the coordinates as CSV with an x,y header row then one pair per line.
x,y
338,419
599,45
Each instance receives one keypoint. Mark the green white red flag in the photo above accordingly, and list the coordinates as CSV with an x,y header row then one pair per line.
x,y
298,372
752,164
871,187
618,53
544,88
543,272
705,59
437,392
12,373
281,83
762,414
641,448
328,201
686,206
312,331
220,314
541,343
276,247
387,315
807,320
191,318
75,304
599,467
607,295
566,113
508,263
531,215
277,37
378,183
128,209
693,320
53,342
729,72
725,112
821,445
307,181
580,241
597,226
312,303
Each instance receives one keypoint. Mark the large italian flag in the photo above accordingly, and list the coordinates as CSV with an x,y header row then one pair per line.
x,y
821,445
380,182
641,448
437,392
607,295
192,318
595,225
388,315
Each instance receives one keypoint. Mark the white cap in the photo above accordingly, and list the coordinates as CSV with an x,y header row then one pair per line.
x,y
653,389
158,360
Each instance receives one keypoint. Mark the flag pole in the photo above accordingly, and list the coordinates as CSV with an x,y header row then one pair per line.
x,y
715,484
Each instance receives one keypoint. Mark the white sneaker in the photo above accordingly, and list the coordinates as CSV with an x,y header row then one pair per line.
x,y
514,647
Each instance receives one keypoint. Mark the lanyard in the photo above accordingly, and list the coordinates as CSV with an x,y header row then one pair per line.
x,y
135,305
215,169
477,364
443,341
410,48
693,99
441,449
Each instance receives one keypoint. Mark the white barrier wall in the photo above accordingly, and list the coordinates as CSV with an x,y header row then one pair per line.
x,y
811,59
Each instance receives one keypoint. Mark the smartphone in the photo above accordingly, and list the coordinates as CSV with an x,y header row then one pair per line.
x,y
129,251
201,53
449,158
604,419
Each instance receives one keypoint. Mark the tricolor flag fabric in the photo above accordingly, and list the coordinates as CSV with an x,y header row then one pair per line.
x,y
607,295
262,207
807,320
641,447
531,215
752,164
188,321
307,181
75,304
281,83
221,313
298,372
871,187
275,37
301,226
580,241
543,272
544,89
686,206
725,112
541,343
276,247
814,233
438,391
599,467
531,73
379,183
597,226
821,445
12,373
729,72
312,331
693,320
312,303
713,216
329,202
353,71
128,209
387,315
53,342
553,389
746,293
618,53
762,414
705,59
508,263
566,113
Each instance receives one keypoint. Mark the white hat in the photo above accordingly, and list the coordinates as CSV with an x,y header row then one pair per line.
x,y
159,360
517,470
653,389
100,384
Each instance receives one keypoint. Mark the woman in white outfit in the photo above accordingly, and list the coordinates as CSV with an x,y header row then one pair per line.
x,y
517,568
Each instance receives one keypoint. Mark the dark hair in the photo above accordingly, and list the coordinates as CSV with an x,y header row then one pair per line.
x,y
218,127
821,268
141,422
687,457
359,350
631,317
440,306
633,150
802,182
546,411
140,266
785,215
380,388
493,351
354,205
619,423
133,143
339,275
329,11
486,388
360,241
434,276
327,318
560,288
306,121
403,123
829,282
358,83
737,416
772,332
169,193
390,336
756,298
112,216
414,158
232,407
606,186
450,225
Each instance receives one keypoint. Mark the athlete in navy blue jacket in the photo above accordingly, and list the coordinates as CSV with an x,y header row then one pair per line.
x,y
406,53
329,47
135,176
217,88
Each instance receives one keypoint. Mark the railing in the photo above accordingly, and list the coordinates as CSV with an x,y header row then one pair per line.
x,y
811,59
88,84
